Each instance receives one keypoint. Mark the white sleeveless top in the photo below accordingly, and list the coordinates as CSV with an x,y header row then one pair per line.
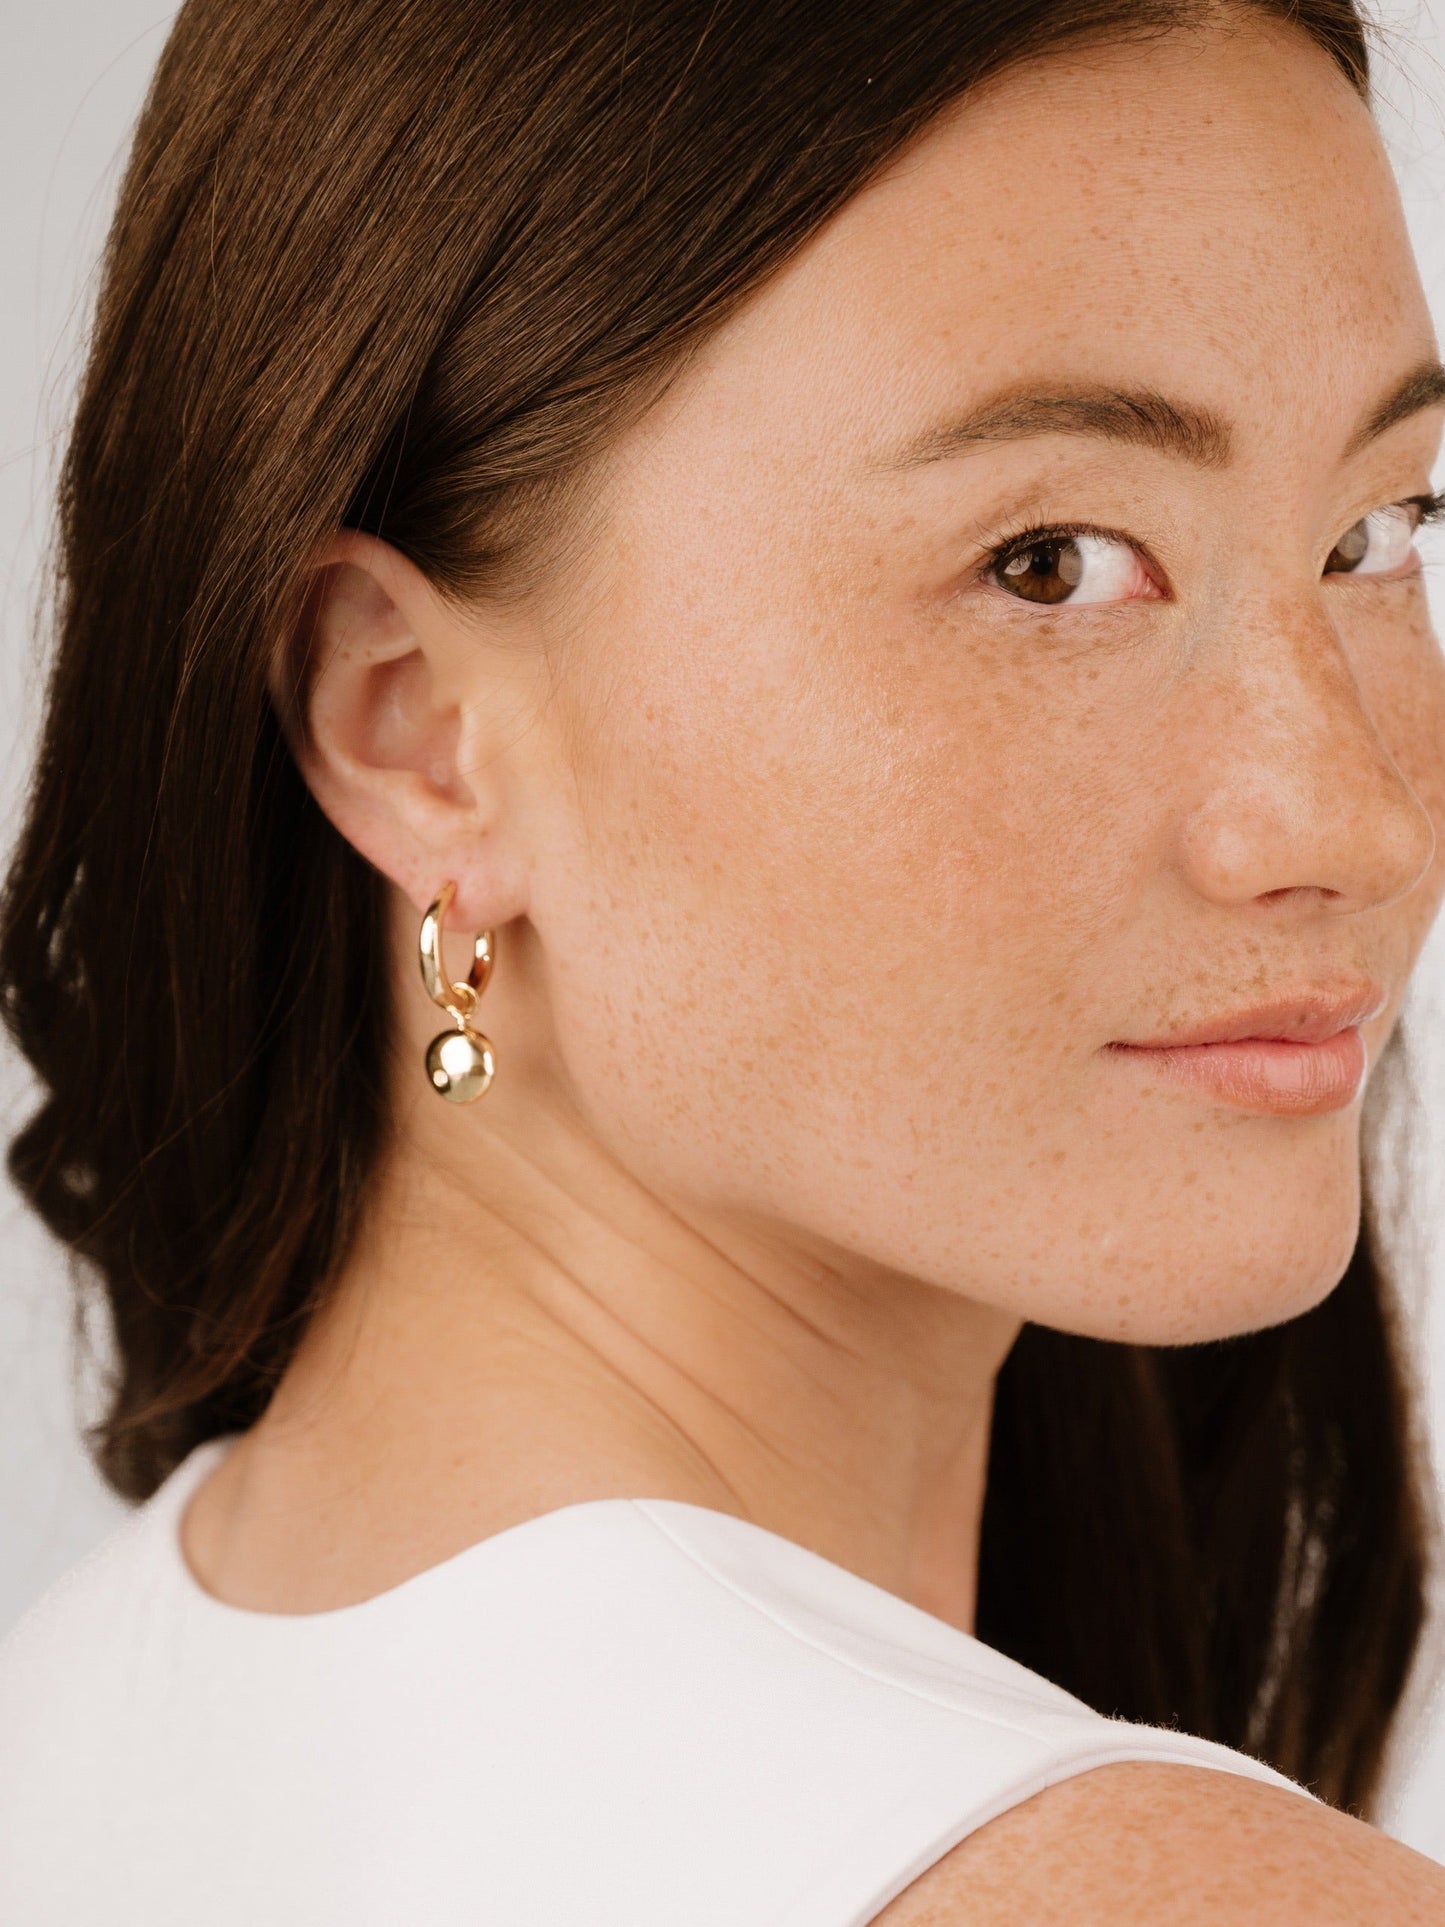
x,y
624,1713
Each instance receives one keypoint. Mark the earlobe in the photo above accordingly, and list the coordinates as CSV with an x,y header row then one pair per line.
x,y
384,680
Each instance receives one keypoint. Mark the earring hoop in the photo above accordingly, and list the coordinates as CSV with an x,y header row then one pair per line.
x,y
459,1062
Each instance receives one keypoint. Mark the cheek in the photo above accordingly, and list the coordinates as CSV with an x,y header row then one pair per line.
x,y
838,920
1400,669
820,913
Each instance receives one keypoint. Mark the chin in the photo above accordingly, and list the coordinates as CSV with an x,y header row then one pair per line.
x,y
1282,1229
1248,1299
1251,1275
1253,1248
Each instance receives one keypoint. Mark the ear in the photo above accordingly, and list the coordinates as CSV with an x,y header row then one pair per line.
x,y
401,714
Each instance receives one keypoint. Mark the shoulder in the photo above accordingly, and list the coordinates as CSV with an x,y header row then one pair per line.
x,y
50,1651
1138,1842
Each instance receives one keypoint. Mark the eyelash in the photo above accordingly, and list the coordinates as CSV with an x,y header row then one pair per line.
x,y
1040,531
1431,507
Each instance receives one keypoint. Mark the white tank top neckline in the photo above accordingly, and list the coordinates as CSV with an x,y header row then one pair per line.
x,y
633,1711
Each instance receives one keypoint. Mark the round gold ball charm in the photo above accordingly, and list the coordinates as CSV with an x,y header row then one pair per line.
x,y
459,1064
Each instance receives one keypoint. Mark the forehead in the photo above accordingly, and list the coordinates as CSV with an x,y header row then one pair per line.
x,y
1210,212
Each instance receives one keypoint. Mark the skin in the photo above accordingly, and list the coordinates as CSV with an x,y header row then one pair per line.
x,y
825,874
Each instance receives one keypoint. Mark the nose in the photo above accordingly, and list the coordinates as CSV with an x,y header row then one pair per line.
x,y
1301,797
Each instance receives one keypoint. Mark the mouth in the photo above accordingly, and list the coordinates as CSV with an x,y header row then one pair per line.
x,y
1298,1056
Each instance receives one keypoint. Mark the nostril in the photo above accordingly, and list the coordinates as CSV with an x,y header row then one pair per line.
x,y
1291,890
1315,830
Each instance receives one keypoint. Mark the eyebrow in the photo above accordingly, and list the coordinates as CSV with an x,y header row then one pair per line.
x,y
1141,416
1112,414
1423,387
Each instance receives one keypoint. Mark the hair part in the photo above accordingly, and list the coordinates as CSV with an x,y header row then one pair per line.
x,y
408,266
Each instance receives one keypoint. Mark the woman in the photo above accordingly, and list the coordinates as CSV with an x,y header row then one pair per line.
x,y
861,564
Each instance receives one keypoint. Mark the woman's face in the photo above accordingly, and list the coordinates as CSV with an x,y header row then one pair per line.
x,y
1004,650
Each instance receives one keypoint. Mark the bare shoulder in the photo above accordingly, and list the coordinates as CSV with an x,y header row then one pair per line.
x,y
1136,1842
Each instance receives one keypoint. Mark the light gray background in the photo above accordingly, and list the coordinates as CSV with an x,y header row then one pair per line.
x,y
74,72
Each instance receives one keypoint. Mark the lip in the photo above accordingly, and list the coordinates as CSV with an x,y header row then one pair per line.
x,y
1297,1056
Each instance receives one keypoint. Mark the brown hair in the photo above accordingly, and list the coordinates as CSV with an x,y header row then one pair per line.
x,y
405,265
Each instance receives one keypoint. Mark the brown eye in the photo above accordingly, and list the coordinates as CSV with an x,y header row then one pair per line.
x,y
1051,566
1378,544
1350,551
1044,571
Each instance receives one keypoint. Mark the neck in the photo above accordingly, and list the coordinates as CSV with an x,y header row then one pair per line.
x,y
523,1325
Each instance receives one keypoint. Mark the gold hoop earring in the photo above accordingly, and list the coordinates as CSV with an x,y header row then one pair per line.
x,y
459,1062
